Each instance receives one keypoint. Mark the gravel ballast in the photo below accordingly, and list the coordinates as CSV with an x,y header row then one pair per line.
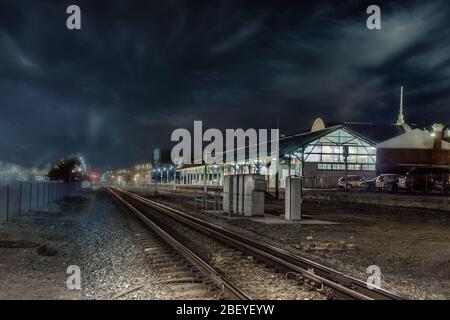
x,y
411,250
88,231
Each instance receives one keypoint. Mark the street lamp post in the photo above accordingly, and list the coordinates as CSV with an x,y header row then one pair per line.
x,y
167,178
156,171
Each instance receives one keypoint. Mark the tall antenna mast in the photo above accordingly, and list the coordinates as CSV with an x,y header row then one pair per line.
x,y
401,118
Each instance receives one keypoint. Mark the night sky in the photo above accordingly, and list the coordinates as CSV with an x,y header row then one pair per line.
x,y
140,69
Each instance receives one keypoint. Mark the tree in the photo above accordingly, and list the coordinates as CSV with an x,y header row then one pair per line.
x,y
67,170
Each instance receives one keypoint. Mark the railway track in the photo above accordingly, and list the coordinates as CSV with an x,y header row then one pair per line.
x,y
174,272
162,258
326,280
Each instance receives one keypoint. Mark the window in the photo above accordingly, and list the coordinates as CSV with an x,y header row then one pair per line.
x,y
328,151
362,159
312,158
324,166
338,166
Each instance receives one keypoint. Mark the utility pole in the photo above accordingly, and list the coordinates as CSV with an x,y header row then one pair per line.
x,y
156,158
345,154
205,187
157,177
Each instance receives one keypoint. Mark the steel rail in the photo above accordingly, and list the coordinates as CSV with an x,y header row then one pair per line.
x,y
202,266
343,285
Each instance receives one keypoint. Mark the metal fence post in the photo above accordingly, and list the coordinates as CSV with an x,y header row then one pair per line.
x,y
20,200
37,195
31,195
7,202
43,193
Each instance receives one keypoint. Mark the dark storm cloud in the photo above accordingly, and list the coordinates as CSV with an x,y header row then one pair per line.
x,y
137,70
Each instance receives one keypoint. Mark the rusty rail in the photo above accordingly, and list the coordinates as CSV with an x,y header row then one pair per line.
x,y
229,288
343,286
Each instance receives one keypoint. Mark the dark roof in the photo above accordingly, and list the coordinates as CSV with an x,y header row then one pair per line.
x,y
375,132
372,133
293,142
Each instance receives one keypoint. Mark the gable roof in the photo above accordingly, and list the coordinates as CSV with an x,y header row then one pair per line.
x,y
414,139
376,132
294,142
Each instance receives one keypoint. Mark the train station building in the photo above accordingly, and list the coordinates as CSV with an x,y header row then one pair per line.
x,y
324,153
318,155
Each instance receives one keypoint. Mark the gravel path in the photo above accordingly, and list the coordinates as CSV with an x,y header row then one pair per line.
x,y
87,231
110,258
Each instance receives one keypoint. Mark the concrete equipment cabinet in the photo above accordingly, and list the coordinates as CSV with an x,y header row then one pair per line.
x,y
227,194
244,194
293,198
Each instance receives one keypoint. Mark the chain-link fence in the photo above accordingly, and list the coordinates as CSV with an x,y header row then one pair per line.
x,y
209,202
21,197
321,182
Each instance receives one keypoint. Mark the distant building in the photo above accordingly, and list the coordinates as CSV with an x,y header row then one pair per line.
x,y
413,149
10,172
122,177
317,155
142,174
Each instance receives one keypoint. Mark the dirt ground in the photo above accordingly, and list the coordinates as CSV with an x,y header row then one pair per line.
x,y
86,230
411,249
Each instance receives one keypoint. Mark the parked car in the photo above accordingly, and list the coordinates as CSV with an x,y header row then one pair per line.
x,y
423,181
368,185
403,183
352,182
388,182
